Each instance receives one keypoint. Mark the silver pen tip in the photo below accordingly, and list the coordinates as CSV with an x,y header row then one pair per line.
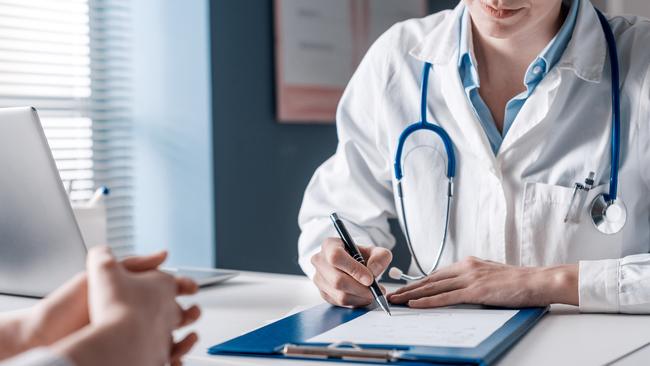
x,y
383,304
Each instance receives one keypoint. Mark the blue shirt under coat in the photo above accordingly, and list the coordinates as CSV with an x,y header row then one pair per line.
x,y
536,71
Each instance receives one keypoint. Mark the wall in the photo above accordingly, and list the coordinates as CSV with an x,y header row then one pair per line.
x,y
173,130
261,167
636,7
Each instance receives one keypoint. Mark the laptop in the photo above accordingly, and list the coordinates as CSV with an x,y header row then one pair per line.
x,y
40,243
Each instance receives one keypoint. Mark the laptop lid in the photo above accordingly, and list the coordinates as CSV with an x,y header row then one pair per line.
x,y
40,243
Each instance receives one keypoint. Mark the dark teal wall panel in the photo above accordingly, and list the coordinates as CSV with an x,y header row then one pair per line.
x,y
261,167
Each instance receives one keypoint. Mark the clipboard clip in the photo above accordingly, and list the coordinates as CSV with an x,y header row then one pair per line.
x,y
346,351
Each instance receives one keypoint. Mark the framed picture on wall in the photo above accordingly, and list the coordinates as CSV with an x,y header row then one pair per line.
x,y
318,45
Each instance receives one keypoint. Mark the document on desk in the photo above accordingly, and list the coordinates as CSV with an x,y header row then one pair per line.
x,y
443,327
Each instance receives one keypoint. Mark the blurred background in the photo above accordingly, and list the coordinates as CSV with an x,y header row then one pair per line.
x,y
205,118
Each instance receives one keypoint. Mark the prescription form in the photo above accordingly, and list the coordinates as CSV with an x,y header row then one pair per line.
x,y
442,327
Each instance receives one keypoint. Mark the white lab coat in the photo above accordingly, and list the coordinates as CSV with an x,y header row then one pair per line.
x,y
509,207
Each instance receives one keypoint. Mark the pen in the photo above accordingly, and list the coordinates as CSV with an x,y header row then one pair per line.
x,y
353,251
98,196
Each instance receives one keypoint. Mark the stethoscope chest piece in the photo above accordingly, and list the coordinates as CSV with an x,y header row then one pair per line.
x,y
608,216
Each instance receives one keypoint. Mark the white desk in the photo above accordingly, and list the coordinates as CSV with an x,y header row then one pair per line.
x,y
251,300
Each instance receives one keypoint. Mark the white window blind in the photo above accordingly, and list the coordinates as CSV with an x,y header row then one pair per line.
x,y
70,60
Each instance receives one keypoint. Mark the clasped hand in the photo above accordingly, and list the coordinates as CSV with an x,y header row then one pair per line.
x,y
116,313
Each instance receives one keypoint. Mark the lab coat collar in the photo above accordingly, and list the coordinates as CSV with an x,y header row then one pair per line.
x,y
440,46
585,53
587,50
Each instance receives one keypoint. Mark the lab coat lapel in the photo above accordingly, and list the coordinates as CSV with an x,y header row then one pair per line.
x,y
440,47
534,110
584,56
465,129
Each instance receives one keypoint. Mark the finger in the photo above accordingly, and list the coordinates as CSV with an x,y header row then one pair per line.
x,y
339,258
347,300
189,316
438,275
327,297
443,299
339,298
100,262
426,290
377,259
145,262
181,348
341,281
186,286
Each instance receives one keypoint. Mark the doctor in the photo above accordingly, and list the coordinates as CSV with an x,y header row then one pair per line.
x,y
523,89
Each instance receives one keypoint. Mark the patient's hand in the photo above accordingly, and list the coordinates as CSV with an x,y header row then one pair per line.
x,y
133,311
61,313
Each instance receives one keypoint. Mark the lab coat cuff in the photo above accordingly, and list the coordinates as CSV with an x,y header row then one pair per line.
x,y
305,263
598,286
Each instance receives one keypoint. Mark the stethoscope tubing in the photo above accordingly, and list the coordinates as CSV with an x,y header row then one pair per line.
x,y
616,106
423,124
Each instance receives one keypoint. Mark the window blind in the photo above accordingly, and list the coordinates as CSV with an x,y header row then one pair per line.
x,y
111,114
70,60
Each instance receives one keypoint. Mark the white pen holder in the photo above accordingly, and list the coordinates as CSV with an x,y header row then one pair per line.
x,y
92,223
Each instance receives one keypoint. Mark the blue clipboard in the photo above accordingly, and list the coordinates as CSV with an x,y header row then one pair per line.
x,y
277,339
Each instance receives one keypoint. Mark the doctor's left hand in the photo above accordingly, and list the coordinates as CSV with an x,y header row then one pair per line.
x,y
476,281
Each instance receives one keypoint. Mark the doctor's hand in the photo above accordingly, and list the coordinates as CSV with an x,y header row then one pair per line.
x,y
476,281
133,312
343,281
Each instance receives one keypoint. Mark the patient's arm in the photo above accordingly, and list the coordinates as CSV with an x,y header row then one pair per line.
x,y
13,338
60,314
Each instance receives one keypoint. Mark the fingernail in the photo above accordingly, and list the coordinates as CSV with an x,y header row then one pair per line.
x,y
366,280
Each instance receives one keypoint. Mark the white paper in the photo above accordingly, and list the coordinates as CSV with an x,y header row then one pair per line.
x,y
445,327
317,42
323,41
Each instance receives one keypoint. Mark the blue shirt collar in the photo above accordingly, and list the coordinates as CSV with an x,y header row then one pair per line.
x,y
536,71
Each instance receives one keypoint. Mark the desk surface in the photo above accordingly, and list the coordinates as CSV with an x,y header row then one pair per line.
x,y
563,337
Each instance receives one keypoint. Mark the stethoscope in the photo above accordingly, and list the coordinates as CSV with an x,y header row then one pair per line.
x,y
608,213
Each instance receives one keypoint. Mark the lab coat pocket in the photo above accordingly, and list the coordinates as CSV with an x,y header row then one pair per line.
x,y
546,239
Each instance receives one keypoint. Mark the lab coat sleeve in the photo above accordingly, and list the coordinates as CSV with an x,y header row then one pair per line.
x,y
356,181
622,285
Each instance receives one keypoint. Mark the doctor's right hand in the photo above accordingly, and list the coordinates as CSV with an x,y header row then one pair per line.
x,y
343,281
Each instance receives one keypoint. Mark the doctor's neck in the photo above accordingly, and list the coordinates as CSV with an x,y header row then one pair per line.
x,y
508,35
